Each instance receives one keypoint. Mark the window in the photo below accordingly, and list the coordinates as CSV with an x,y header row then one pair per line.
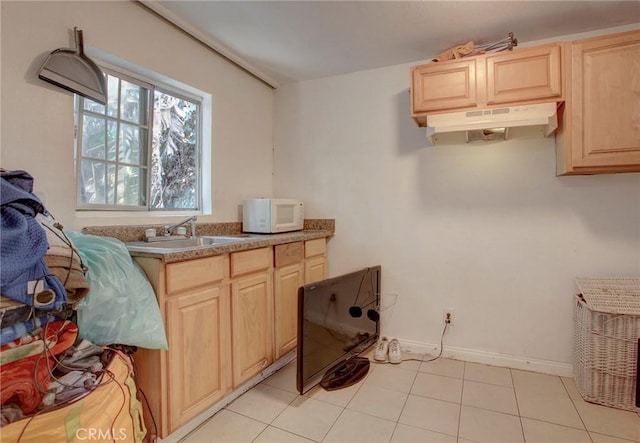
x,y
139,152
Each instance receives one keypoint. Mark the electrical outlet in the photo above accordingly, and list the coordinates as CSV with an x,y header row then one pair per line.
x,y
448,316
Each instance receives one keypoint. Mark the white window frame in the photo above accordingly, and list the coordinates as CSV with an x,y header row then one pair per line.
x,y
153,81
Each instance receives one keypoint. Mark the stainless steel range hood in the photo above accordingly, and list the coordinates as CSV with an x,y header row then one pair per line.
x,y
527,121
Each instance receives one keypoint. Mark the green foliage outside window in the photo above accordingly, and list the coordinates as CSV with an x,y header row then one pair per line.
x,y
120,167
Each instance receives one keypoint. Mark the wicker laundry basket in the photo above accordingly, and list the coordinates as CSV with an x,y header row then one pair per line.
x,y
607,330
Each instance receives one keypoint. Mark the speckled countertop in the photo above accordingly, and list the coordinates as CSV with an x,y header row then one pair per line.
x,y
313,228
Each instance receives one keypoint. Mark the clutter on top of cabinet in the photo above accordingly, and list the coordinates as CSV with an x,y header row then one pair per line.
x,y
470,48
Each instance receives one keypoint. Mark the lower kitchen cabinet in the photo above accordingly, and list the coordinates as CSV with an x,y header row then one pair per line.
x,y
288,276
227,318
315,269
195,373
199,356
251,313
315,263
293,270
287,280
251,325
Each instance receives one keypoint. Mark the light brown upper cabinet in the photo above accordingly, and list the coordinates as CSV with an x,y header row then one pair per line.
x,y
444,86
525,75
600,131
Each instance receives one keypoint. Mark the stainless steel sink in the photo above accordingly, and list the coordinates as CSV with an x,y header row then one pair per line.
x,y
184,244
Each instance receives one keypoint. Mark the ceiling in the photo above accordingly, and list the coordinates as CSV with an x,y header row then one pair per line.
x,y
288,41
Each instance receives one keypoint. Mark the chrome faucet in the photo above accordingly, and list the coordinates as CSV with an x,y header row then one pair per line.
x,y
192,226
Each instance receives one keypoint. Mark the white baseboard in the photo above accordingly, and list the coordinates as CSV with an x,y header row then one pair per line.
x,y
551,367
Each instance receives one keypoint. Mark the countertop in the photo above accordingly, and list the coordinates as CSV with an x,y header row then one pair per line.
x,y
313,228
254,242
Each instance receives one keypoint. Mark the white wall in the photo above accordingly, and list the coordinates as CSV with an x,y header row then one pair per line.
x,y
487,230
37,118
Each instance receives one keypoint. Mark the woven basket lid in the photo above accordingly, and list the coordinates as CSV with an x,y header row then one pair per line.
x,y
611,295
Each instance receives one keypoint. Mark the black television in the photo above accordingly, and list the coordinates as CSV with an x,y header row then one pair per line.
x,y
338,319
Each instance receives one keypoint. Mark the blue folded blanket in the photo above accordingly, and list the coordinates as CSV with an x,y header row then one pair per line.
x,y
24,275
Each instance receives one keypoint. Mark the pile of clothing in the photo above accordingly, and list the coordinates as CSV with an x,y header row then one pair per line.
x,y
47,368
42,278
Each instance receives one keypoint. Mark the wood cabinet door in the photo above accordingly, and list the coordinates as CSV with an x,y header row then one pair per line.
x,y
315,269
287,281
524,75
199,352
251,325
444,86
605,107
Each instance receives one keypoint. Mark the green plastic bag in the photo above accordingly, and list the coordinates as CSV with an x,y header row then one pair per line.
x,y
121,307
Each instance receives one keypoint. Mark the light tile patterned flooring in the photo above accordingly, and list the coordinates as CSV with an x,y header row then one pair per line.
x,y
444,401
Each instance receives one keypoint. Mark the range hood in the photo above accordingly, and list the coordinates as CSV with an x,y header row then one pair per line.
x,y
526,121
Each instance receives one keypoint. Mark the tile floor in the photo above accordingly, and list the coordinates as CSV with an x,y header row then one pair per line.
x,y
441,401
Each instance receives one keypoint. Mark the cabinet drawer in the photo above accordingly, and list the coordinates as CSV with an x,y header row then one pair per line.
x,y
249,261
288,253
315,247
193,273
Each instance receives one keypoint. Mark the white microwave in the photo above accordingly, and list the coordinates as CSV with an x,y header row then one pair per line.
x,y
272,215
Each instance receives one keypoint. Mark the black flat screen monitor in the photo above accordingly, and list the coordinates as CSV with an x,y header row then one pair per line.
x,y
338,318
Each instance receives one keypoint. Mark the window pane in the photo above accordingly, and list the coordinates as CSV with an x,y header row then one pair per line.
x,y
111,184
112,138
93,182
131,101
131,144
112,95
174,180
131,186
93,136
92,106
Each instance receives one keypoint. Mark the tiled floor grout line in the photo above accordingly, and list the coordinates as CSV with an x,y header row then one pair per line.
x,y
397,422
344,408
464,371
515,395
261,432
401,409
334,423
289,432
573,403
274,418
283,409
405,401
270,424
